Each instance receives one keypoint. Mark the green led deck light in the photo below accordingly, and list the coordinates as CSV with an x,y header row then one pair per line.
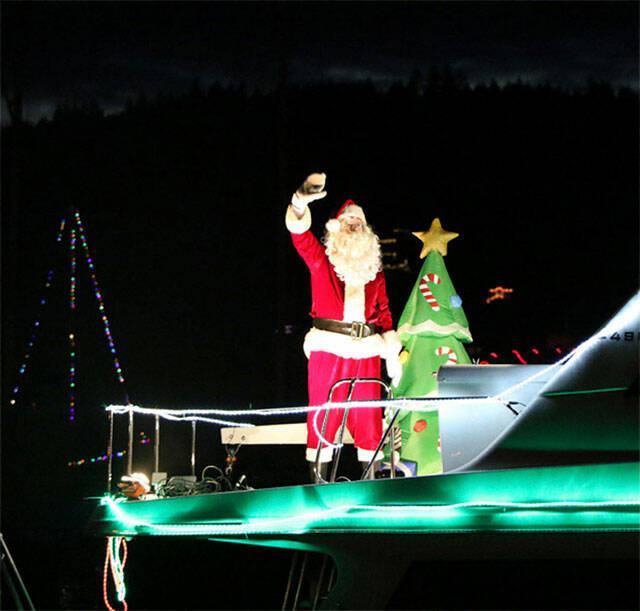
x,y
521,516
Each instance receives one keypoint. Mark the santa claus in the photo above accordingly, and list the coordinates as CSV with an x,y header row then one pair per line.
x,y
352,327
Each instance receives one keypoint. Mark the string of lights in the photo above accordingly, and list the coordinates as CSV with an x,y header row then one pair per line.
x,y
73,235
143,440
101,308
72,377
191,415
72,341
519,357
519,354
72,282
95,459
36,325
612,326
204,415
116,563
301,522
499,292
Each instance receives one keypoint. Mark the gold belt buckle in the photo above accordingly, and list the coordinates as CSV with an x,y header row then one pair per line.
x,y
357,330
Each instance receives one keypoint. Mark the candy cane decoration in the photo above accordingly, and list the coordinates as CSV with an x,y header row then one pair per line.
x,y
397,438
426,292
452,358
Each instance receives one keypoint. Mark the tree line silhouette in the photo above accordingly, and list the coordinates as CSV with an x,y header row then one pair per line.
x,y
182,197
186,193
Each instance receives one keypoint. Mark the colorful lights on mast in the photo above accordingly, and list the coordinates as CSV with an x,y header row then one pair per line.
x,y
72,280
36,324
74,233
72,377
100,300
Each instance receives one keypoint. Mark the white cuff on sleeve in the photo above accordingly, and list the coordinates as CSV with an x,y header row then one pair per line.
x,y
392,343
295,224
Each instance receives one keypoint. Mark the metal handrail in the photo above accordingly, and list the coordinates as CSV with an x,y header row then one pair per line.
x,y
338,445
338,450
156,447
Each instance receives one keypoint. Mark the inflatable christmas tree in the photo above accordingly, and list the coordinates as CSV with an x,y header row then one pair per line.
x,y
432,328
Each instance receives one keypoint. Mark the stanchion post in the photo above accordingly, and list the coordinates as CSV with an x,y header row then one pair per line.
x,y
130,458
193,447
110,454
156,445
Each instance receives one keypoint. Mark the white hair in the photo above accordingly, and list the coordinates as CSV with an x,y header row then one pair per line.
x,y
355,256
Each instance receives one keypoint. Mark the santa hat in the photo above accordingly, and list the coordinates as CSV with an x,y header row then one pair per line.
x,y
349,208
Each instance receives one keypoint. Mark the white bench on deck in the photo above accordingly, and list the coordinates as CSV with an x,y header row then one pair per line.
x,y
270,434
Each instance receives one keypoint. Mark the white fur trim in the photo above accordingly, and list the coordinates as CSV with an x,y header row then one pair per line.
x,y
295,224
332,225
326,454
367,455
394,369
393,343
318,340
353,303
429,325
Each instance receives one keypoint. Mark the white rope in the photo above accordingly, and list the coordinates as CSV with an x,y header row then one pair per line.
x,y
203,415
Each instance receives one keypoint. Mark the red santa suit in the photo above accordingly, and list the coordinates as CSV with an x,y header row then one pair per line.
x,y
335,356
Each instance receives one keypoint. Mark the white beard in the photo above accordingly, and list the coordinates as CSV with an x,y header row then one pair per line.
x,y
355,256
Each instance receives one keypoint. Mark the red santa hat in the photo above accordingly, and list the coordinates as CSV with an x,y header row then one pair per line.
x,y
348,209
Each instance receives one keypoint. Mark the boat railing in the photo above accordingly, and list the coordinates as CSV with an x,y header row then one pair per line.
x,y
389,430
234,419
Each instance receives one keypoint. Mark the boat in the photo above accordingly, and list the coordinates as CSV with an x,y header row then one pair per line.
x,y
539,461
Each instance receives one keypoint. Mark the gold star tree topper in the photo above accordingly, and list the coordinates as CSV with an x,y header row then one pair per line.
x,y
435,239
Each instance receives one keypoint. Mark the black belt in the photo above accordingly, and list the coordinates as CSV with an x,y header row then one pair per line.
x,y
356,330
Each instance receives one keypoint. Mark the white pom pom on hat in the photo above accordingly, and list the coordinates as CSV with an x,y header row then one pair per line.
x,y
349,208
332,225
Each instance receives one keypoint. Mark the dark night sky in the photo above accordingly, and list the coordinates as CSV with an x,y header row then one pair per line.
x,y
73,52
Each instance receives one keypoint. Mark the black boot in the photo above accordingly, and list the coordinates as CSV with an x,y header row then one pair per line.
x,y
375,467
323,472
